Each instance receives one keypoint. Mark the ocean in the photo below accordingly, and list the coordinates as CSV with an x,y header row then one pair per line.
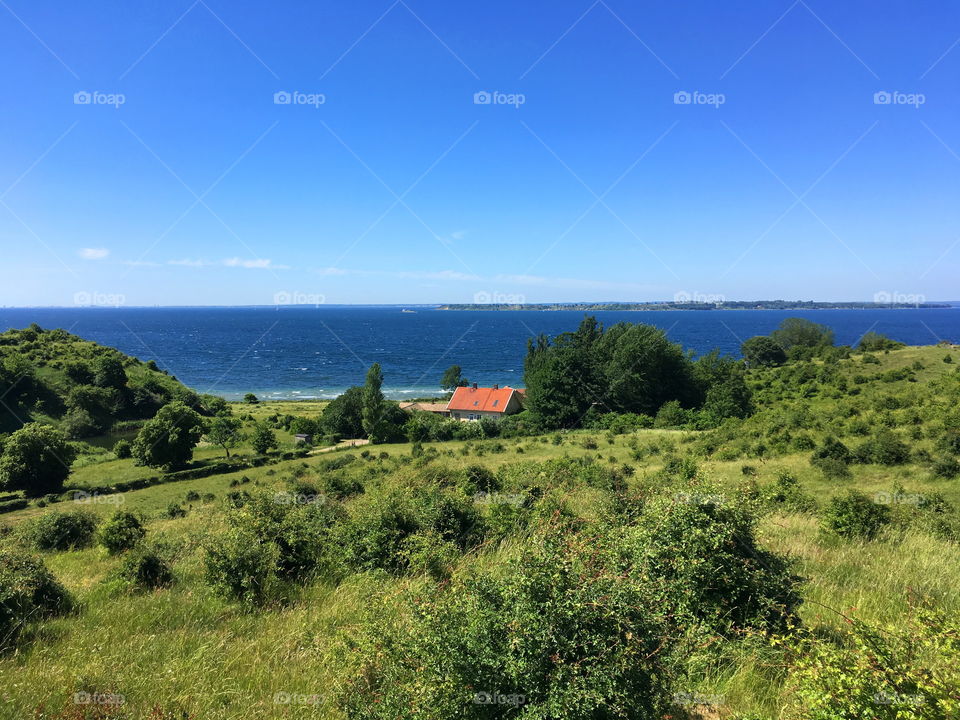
x,y
306,352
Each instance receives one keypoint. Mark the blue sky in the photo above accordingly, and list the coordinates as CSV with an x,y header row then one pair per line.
x,y
184,181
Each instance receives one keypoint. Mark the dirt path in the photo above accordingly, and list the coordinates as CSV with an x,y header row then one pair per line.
x,y
345,444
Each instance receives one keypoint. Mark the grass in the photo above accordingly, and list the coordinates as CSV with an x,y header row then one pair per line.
x,y
184,649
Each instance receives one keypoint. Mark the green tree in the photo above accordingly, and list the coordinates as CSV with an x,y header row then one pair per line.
x,y
762,351
167,441
873,342
251,399
794,332
374,406
224,430
453,378
108,372
36,459
343,416
263,439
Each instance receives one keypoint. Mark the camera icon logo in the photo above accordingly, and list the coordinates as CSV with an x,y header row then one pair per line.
x,y
82,98
882,98
482,98
682,98
481,298
282,97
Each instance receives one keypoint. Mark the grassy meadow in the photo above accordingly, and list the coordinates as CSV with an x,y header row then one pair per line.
x,y
187,650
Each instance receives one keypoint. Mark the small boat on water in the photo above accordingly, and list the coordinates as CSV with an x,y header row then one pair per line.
x,y
409,311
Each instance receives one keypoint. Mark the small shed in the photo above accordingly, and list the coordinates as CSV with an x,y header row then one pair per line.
x,y
303,439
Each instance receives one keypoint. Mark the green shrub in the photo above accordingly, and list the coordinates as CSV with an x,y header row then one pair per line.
x,y
146,568
855,516
121,532
242,566
28,592
123,449
559,635
787,493
701,548
878,673
65,530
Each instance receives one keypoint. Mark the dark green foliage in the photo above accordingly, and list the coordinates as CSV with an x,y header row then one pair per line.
x,y
762,351
379,524
453,378
263,439
786,493
884,448
875,342
374,411
175,510
147,567
64,530
224,430
121,532
701,547
251,399
832,458
28,592
559,636
108,371
800,333
343,416
242,566
167,441
36,459
671,415
123,449
855,516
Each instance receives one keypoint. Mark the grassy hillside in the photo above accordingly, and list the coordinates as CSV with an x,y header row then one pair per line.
x,y
569,568
79,386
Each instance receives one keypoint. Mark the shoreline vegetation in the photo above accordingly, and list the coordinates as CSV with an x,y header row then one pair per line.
x,y
702,305
654,535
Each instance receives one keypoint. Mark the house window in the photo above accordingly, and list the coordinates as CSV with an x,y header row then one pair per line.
x,y
471,417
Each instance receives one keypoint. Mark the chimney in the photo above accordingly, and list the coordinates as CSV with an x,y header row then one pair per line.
x,y
496,387
474,386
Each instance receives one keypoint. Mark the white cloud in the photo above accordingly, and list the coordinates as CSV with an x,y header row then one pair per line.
x,y
258,264
93,253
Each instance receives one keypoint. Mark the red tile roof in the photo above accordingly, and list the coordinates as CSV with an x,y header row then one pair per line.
x,y
481,399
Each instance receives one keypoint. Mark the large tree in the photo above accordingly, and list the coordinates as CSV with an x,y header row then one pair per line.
x,y
794,332
343,416
36,459
224,430
453,378
762,351
168,440
263,439
374,411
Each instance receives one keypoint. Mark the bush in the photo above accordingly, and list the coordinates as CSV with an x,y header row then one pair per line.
x,y
701,549
855,516
146,568
786,492
560,635
28,592
121,532
123,449
241,566
64,530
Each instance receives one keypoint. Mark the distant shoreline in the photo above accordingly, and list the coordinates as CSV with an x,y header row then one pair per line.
x,y
727,305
